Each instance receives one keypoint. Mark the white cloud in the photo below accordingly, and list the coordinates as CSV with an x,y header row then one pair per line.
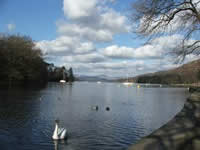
x,y
114,21
87,58
115,51
144,52
85,33
113,69
65,45
11,27
92,20
79,8
155,50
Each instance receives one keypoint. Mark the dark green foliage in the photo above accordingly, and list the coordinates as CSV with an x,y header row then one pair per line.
x,y
71,75
149,79
20,60
55,74
160,79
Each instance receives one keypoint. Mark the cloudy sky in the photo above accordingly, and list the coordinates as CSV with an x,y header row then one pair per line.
x,y
92,36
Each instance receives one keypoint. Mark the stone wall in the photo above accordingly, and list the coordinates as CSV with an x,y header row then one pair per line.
x,y
181,133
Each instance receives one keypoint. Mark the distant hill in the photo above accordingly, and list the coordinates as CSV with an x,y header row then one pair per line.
x,y
102,78
187,73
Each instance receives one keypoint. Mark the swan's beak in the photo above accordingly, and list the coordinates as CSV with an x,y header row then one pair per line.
x,y
57,121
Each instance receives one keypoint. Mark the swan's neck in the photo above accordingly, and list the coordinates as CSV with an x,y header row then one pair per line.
x,y
55,133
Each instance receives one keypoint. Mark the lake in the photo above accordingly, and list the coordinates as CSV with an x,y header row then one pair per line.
x,y
27,115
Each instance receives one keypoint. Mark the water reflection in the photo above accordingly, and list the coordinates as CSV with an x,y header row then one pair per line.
x,y
27,115
61,145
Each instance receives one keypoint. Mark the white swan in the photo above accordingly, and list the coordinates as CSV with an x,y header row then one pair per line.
x,y
59,133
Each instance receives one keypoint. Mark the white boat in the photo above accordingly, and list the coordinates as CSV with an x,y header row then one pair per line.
x,y
127,83
98,82
62,81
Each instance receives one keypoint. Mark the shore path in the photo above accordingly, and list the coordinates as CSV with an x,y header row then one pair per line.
x,y
181,133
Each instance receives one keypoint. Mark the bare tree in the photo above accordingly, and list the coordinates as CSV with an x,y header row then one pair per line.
x,y
155,18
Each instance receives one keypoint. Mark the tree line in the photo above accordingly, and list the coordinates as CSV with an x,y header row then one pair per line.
x,y
56,74
21,61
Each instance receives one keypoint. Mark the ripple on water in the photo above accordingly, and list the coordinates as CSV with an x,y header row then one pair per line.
x,y
28,121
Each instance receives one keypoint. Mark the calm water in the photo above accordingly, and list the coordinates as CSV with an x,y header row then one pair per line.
x,y
27,115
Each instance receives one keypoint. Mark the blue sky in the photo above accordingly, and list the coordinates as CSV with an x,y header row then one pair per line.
x,y
35,18
92,36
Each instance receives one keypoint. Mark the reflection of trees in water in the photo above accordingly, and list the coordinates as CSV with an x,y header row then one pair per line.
x,y
22,121
17,106
61,145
